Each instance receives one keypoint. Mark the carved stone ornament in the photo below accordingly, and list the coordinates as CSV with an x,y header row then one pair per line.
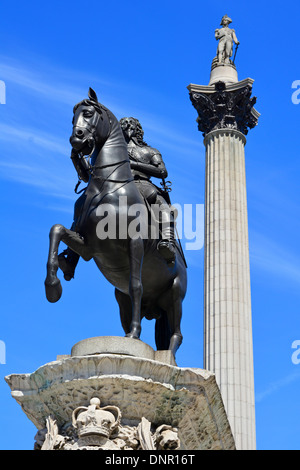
x,y
96,428
147,401
225,109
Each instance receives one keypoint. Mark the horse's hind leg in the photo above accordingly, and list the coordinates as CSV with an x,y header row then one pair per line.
x,y
174,315
125,306
136,255
57,234
171,302
162,332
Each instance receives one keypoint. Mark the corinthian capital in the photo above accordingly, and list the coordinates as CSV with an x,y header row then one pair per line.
x,y
224,106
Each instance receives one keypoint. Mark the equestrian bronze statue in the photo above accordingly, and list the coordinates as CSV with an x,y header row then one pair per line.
x,y
148,273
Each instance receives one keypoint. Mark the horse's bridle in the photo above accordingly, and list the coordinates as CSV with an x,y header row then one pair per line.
x,y
91,128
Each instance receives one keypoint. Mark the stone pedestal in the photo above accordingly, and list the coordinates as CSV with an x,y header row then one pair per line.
x,y
153,405
119,345
225,73
225,112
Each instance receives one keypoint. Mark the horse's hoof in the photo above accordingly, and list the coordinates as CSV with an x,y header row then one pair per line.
x,y
53,291
176,341
132,336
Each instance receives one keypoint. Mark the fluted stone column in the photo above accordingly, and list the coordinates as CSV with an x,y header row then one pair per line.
x,y
227,296
225,111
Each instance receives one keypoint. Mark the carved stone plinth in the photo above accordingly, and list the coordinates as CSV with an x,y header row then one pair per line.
x,y
225,72
117,401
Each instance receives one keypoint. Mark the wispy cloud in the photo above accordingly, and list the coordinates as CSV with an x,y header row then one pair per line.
x,y
51,82
68,89
276,386
47,182
34,158
34,138
270,256
61,85
37,153
171,138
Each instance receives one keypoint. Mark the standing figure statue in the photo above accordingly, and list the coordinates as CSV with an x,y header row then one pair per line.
x,y
226,37
147,162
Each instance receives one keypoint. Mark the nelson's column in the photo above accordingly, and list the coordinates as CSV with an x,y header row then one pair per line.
x,y
225,113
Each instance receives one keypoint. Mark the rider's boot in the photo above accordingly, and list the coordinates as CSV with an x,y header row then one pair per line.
x,y
167,245
68,260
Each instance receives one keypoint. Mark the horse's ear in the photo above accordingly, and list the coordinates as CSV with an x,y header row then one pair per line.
x,y
92,95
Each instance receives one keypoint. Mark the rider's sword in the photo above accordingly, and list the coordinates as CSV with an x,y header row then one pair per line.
x,y
235,53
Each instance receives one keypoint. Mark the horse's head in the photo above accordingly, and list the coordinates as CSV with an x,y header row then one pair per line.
x,y
87,114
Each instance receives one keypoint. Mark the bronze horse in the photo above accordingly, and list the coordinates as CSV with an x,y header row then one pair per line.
x,y
145,284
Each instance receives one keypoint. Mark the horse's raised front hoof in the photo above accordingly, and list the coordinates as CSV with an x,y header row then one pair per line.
x,y
53,291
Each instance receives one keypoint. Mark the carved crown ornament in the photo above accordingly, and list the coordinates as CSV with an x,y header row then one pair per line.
x,y
224,107
96,428
93,420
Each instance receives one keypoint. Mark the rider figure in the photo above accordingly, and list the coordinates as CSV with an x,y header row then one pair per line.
x,y
147,162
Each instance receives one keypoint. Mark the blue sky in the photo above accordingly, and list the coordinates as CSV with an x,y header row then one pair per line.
x,y
140,57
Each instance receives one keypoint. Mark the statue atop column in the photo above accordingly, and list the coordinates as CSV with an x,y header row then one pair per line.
x,y
226,38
